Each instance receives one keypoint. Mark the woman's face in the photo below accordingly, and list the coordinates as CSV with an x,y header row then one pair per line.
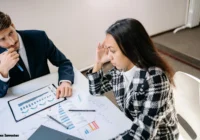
x,y
117,58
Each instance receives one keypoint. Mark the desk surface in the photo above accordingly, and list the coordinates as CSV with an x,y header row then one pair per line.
x,y
107,117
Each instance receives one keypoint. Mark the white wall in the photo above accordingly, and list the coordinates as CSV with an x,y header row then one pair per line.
x,y
76,26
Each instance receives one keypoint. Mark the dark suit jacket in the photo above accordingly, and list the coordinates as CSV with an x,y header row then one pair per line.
x,y
39,48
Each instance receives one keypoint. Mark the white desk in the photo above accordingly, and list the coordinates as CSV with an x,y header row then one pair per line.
x,y
111,121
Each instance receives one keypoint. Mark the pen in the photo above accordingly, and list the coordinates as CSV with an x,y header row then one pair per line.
x,y
82,110
57,121
18,65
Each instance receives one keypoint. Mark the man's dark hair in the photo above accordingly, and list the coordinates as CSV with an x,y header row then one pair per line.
x,y
5,21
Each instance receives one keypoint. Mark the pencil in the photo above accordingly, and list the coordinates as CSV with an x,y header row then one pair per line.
x,y
82,110
57,121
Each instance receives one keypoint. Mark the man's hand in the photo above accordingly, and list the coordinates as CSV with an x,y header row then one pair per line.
x,y
64,90
8,60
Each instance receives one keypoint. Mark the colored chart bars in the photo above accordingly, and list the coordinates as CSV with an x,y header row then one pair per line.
x,y
64,118
91,127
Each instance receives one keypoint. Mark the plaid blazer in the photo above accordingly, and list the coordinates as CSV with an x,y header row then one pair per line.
x,y
149,102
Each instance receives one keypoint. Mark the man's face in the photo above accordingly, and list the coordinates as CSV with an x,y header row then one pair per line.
x,y
9,38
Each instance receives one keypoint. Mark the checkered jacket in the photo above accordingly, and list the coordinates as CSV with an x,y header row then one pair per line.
x,y
149,102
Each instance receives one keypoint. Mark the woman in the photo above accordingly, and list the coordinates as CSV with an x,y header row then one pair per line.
x,y
141,81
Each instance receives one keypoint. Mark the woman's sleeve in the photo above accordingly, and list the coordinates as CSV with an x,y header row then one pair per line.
x,y
99,83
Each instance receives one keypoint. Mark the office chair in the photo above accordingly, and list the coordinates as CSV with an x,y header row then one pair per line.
x,y
187,103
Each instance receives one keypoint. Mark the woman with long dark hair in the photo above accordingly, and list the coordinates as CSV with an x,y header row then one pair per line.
x,y
140,79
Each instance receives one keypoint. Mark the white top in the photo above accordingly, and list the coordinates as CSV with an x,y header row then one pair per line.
x,y
128,76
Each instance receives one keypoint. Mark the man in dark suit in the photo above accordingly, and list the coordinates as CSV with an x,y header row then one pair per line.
x,y
24,55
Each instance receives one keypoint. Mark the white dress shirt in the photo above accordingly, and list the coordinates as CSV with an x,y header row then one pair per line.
x,y
22,53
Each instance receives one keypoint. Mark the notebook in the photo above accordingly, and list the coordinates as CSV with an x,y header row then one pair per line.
x,y
46,133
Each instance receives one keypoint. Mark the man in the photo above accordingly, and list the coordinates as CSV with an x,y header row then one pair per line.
x,y
24,55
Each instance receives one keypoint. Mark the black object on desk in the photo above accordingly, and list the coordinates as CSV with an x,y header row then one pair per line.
x,y
82,110
46,133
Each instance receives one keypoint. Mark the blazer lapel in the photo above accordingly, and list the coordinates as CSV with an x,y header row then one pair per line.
x,y
121,91
132,88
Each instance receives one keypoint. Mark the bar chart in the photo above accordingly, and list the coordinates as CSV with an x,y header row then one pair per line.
x,y
91,127
34,102
64,118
